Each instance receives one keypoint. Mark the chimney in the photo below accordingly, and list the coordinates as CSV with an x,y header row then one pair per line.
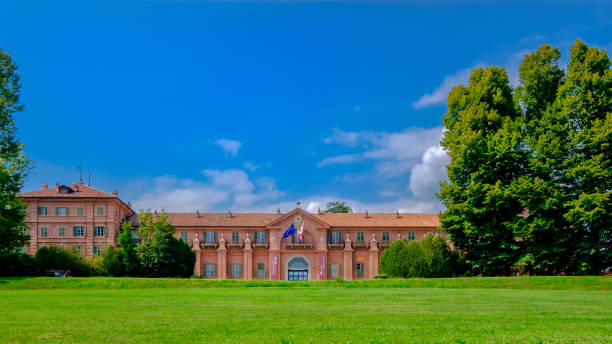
x,y
278,211
397,214
130,205
155,213
57,185
115,193
319,211
198,214
229,214
45,186
367,215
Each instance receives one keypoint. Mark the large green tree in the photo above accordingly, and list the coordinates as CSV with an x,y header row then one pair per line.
x,y
484,142
338,207
13,162
159,252
545,239
577,149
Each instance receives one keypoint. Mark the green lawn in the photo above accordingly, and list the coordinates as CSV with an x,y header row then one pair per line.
x,y
474,310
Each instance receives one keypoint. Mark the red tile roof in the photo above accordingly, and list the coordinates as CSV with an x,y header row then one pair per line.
x,y
78,191
334,220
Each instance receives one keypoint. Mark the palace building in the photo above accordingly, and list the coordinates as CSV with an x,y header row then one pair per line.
x,y
232,245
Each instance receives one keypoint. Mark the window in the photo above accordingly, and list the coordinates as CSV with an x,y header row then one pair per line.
x,y
411,235
61,232
42,210
235,238
334,270
236,270
100,211
184,236
80,211
261,270
359,269
96,250
334,238
78,248
360,238
210,270
78,231
210,238
99,230
62,211
385,238
44,231
261,238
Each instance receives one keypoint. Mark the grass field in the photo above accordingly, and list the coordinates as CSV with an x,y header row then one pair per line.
x,y
462,310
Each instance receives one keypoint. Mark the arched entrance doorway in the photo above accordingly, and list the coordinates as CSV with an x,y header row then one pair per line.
x,y
298,269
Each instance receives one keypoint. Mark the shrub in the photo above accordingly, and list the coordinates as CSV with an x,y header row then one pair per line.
x,y
58,258
113,261
430,257
17,264
96,266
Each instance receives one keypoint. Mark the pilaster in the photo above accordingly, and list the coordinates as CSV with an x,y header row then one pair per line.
x,y
197,269
373,258
348,258
247,262
222,259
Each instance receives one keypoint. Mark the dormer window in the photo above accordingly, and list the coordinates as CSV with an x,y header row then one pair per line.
x,y
63,189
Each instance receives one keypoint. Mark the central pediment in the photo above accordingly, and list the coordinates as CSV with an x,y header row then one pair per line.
x,y
297,215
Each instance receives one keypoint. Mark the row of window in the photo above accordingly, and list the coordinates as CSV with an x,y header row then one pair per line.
x,y
63,211
97,249
235,270
210,237
334,237
77,231
335,270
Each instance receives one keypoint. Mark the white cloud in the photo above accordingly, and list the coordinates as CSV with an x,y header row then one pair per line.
x,y
229,146
340,159
440,94
395,153
251,166
224,188
426,176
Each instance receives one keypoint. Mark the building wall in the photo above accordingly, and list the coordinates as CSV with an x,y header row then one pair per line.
x,y
317,252
113,214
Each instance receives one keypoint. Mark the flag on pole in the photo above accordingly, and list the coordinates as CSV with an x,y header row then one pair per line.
x,y
301,232
289,231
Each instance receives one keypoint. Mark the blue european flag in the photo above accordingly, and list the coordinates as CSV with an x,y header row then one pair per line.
x,y
289,231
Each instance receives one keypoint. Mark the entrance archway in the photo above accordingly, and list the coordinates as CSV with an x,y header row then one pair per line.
x,y
297,269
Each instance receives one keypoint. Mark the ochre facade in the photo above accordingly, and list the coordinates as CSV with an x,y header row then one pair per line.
x,y
231,245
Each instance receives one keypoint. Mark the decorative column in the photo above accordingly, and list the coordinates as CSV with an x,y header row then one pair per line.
x,y
373,257
348,258
197,269
322,250
247,261
274,263
222,259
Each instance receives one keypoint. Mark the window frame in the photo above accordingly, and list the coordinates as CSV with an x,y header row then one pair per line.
x,y
57,211
411,236
97,229
99,211
386,241
39,211
235,238
185,236
45,230
77,229
80,211
360,267
61,232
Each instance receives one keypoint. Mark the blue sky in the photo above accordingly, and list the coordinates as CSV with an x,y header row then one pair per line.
x,y
254,105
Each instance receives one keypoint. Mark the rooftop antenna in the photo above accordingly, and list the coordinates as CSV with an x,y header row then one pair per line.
x,y
89,179
80,174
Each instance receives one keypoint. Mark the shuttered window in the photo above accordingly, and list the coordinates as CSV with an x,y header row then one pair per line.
x,y
61,231
44,231
99,231
78,231
42,210
184,236
210,270
235,238
236,270
411,235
